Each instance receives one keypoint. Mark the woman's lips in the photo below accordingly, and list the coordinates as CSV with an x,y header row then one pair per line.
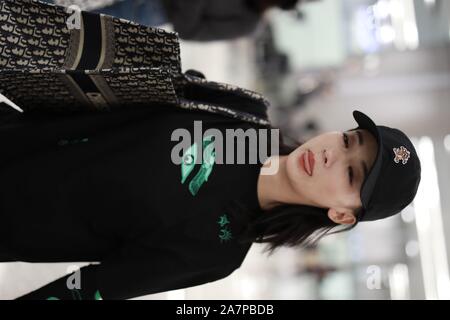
x,y
302,163
307,162
311,162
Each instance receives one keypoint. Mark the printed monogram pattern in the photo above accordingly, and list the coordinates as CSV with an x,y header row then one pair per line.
x,y
36,47
140,65
46,89
32,35
140,46
37,91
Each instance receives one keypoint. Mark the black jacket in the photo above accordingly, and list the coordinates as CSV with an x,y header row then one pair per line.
x,y
104,189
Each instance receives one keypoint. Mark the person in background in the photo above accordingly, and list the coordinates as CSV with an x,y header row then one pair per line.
x,y
207,20
195,20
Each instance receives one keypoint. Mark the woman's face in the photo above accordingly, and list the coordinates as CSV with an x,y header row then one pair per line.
x,y
334,182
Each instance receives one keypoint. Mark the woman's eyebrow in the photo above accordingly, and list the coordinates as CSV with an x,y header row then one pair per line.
x,y
360,137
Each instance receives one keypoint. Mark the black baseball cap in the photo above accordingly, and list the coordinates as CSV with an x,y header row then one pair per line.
x,y
392,182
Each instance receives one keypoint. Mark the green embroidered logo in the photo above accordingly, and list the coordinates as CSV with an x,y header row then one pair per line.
x,y
223,220
224,233
77,296
189,160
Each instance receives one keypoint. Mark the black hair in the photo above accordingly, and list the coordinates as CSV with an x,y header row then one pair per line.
x,y
290,225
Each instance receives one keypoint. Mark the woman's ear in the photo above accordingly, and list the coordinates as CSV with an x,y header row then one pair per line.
x,y
341,216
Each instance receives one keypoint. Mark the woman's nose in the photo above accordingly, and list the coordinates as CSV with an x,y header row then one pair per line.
x,y
329,157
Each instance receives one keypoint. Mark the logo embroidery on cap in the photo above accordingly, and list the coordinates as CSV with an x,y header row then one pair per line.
x,y
401,154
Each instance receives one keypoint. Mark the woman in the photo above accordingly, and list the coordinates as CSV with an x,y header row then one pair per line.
x,y
109,187
110,199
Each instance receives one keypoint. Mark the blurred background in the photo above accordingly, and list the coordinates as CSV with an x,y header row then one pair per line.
x,y
316,64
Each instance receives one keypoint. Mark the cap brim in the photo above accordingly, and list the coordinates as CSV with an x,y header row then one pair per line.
x,y
364,122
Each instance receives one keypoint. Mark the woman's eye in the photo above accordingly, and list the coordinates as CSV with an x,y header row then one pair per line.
x,y
350,174
345,140
350,169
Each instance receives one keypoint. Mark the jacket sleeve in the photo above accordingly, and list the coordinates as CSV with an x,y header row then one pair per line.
x,y
127,276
